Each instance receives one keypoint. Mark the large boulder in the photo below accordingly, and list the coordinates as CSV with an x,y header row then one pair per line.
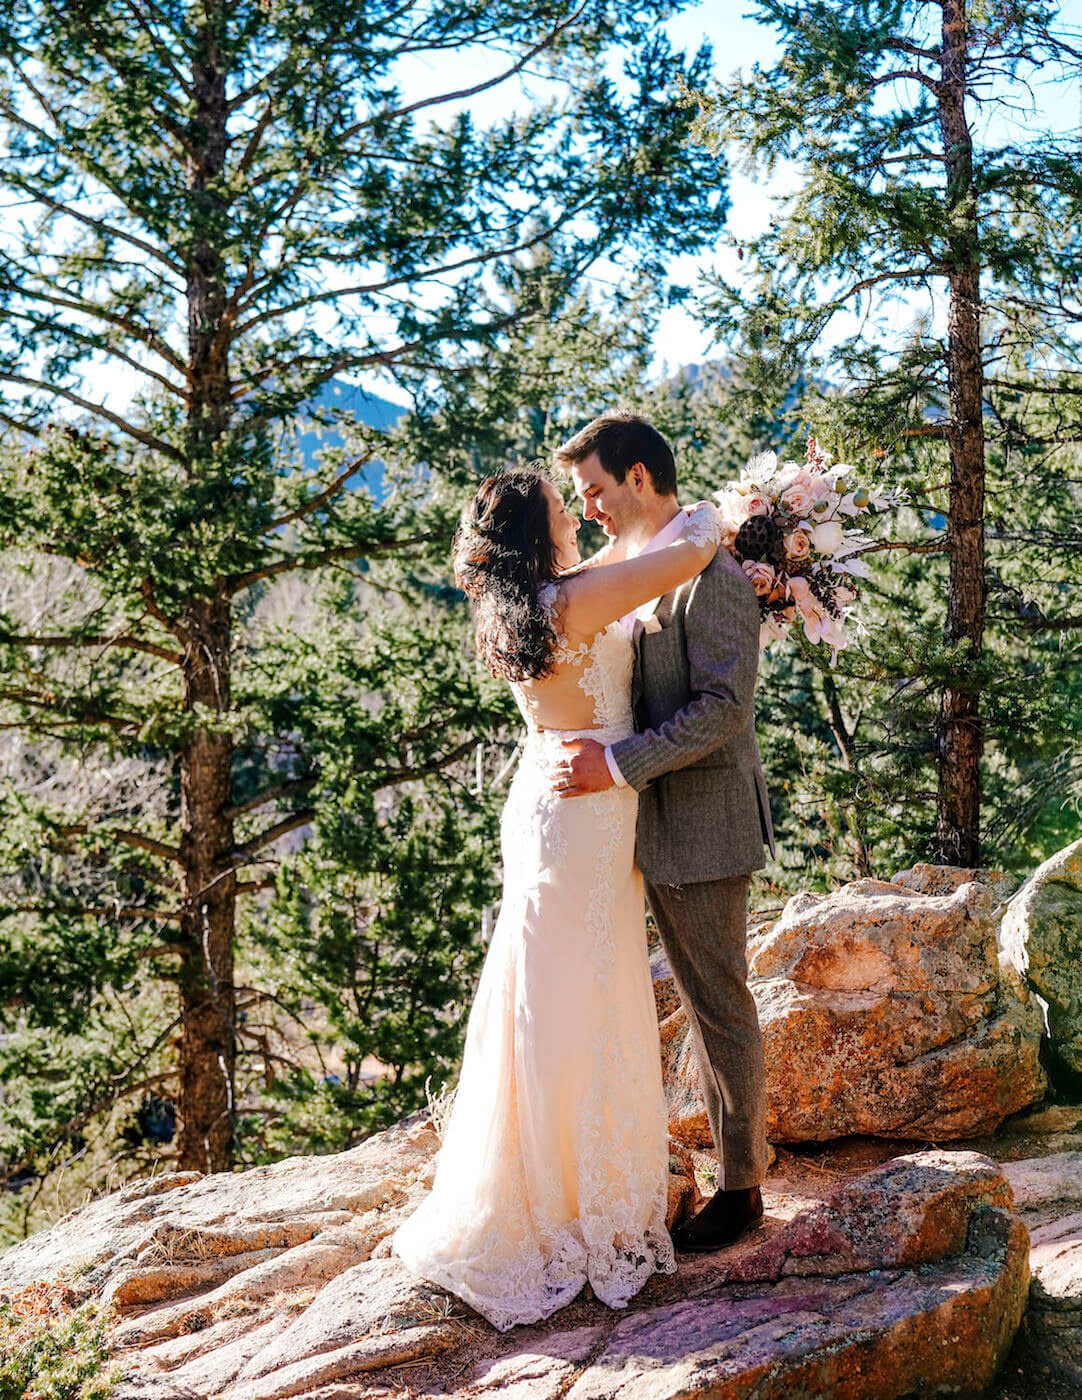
x,y
1048,1195
906,1280
1041,935
885,1011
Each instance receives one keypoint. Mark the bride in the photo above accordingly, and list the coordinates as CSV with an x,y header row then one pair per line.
x,y
553,1170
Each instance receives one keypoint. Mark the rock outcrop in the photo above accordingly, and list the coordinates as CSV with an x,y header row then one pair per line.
x,y
909,1279
885,1011
1041,935
1048,1194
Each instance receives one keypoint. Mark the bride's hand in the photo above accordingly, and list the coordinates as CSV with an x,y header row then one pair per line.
x,y
703,526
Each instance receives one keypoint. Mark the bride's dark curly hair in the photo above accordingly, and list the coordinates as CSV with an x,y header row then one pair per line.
x,y
503,554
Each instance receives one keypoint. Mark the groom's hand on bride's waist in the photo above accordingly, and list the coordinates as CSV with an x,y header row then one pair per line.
x,y
582,769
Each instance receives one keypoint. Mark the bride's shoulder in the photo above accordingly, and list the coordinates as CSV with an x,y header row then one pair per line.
x,y
553,599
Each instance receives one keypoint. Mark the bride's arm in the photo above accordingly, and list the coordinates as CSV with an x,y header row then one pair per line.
x,y
595,597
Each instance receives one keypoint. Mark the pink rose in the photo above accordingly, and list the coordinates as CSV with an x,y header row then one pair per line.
x,y
800,592
797,545
761,575
800,497
756,504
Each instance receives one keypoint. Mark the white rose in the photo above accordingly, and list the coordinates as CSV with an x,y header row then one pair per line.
x,y
827,537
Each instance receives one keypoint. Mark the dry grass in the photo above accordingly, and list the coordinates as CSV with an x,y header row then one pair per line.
x,y
439,1106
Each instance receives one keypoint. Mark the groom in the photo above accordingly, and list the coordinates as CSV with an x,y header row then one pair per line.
x,y
703,810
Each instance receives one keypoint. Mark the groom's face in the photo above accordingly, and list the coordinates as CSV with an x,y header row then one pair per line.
x,y
613,504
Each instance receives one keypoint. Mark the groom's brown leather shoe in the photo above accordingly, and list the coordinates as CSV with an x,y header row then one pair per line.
x,y
724,1218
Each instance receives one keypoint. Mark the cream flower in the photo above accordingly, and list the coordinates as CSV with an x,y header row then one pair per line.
x,y
827,537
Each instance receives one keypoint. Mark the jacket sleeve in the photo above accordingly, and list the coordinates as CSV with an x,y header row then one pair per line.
x,y
721,627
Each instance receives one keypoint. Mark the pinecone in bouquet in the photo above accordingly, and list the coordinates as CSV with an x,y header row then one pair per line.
x,y
759,538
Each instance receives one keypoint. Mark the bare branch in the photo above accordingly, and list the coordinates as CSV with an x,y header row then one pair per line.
x,y
404,775
1050,624
910,548
898,45
147,843
283,789
128,838
272,833
97,911
913,73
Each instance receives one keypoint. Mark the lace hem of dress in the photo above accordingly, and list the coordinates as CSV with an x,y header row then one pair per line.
x,y
615,1271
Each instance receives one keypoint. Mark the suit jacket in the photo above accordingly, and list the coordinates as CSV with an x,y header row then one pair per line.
x,y
704,812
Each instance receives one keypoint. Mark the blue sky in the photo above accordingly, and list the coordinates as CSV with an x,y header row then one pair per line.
x,y
738,41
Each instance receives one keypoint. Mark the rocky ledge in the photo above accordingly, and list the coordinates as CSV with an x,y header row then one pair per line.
x,y
908,1279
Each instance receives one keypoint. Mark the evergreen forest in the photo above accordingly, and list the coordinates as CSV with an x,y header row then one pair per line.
x,y
280,284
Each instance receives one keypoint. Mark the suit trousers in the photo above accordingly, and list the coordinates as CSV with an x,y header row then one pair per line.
x,y
703,928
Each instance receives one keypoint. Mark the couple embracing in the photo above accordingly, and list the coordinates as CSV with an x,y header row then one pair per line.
x,y
635,674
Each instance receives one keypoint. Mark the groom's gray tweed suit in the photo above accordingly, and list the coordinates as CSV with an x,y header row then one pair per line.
x,y
703,817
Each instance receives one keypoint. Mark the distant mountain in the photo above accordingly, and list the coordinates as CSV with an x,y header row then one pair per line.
x,y
365,407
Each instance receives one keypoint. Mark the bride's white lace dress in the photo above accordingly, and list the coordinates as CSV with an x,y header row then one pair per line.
x,y
554,1164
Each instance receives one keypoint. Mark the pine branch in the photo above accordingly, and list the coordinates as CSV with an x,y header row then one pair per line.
x,y
161,52
374,550
128,838
44,700
96,345
146,589
139,435
461,93
87,307
371,288
99,226
323,496
93,639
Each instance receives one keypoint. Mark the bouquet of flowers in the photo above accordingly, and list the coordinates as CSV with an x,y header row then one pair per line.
x,y
791,529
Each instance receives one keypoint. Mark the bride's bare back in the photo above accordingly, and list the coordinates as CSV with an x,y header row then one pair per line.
x,y
591,678
592,674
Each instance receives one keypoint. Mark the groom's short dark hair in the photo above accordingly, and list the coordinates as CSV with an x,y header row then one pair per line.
x,y
620,440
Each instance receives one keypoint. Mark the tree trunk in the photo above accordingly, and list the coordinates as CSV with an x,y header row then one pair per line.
x,y
960,737
207,1049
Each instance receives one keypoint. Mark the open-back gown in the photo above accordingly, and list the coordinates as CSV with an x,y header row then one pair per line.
x,y
554,1165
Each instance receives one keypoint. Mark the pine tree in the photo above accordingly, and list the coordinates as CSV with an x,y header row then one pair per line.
x,y
234,205
912,202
